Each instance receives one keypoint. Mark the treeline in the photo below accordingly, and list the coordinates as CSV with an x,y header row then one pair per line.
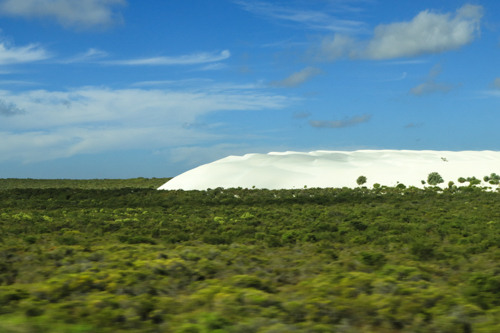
x,y
241,260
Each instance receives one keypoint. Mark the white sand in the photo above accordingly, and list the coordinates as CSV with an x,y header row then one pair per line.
x,y
288,170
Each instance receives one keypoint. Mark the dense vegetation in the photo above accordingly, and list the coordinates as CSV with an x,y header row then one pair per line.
x,y
13,183
239,260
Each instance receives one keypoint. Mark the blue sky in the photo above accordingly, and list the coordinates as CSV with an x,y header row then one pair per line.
x,y
128,88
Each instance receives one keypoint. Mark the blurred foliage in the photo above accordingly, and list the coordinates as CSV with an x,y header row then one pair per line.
x,y
14,183
132,259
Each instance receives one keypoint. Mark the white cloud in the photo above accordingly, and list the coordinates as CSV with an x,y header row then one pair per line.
x,y
338,47
431,86
297,78
427,33
192,59
80,13
91,120
312,19
90,55
213,67
22,54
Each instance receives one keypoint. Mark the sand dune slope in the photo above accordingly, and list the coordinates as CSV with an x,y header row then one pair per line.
x,y
288,170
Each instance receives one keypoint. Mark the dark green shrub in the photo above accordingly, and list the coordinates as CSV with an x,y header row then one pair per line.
x,y
373,258
289,237
483,289
214,322
358,225
434,178
423,250
216,239
401,186
178,237
136,240
67,240
461,180
273,241
331,254
361,180
32,309
248,281
376,185
473,181
325,226
450,184
30,239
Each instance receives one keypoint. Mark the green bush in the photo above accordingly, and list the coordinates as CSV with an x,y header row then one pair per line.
x,y
434,178
423,250
373,258
361,180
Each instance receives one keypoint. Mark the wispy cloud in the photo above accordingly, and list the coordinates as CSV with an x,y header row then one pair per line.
x,y
297,78
192,59
18,82
431,86
184,82
340,123
68,13
9,109
301,115
412,125
284,43
90,55
99,119
427,33
312,19
21,54
213,67
408,62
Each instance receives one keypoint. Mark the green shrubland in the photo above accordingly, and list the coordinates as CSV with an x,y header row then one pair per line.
x,y
131,259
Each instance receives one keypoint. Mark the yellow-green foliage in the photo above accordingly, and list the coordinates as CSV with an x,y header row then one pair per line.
x,y
316,260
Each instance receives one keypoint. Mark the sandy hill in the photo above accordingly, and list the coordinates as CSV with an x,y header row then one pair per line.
x,y
288,170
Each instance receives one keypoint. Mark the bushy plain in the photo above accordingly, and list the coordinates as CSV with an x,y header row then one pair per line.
x,y
239,260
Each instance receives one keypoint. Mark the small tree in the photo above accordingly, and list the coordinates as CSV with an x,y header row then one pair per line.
x,y
434,178
423,182
493,179
473,181
361,180
376,185
461,180
450,184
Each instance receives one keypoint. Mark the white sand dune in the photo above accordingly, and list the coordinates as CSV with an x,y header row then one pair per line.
x,y
288,170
